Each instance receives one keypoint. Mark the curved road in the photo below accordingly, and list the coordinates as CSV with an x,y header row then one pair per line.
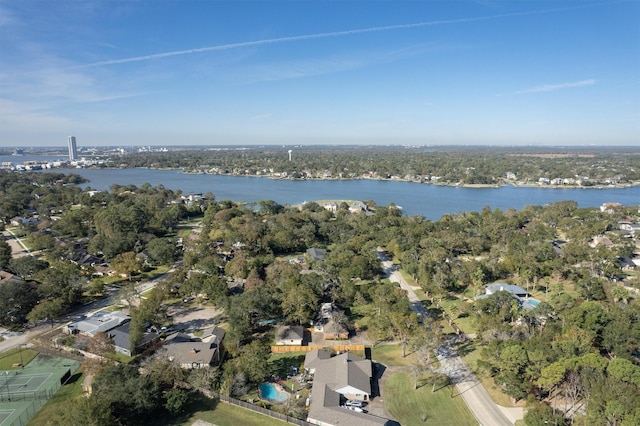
x,y
485,410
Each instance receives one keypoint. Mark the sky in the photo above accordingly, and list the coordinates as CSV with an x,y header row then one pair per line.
x,y
419,72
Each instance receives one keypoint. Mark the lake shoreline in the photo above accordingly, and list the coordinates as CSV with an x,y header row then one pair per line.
x,y
454,185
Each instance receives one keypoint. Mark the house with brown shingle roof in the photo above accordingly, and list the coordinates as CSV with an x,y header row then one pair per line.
x,y
193,353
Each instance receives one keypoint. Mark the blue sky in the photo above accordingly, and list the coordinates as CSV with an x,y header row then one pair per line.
x,y
119,72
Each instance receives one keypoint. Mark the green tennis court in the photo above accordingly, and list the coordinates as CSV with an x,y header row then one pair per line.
x,y
23,392
21,384
5,414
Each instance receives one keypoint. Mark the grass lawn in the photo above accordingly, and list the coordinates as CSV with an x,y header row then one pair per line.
x,y
16,356
117,356
71,390
455,309
224,414
408,405
391,355
282,362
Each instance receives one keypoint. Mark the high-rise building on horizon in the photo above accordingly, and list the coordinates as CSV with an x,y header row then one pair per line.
x,y
73,149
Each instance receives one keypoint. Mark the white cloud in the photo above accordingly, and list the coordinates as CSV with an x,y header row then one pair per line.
x,y
554,87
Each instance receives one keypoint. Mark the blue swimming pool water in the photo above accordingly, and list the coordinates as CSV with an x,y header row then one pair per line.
x,y
534,302
269,392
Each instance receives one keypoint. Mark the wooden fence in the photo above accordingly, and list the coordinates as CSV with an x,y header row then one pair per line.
x,y
338,348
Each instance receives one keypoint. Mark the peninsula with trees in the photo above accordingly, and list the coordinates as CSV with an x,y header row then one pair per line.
x,y
580,167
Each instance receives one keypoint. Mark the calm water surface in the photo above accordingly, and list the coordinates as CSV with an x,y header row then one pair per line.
x,y
416,199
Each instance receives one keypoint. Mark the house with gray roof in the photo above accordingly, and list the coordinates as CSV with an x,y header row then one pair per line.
x,y
121,341
511,288
292,335
517,292
336,379
101,321
317,254
314,358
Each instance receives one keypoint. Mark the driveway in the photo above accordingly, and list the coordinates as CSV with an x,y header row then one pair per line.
x,y
18,249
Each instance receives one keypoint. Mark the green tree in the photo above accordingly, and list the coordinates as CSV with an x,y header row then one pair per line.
x,y
27,266
127,264
163,251
132,398
404,326
51,309
299,304
17,299
5,254
62,280
82,412
253,361
176,400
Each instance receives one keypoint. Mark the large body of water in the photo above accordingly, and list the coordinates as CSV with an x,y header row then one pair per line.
x,y
431,201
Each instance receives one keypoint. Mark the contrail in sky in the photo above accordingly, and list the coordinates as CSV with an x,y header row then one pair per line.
x,y
309,37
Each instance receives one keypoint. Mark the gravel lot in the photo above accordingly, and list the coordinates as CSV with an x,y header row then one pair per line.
x,y
193,317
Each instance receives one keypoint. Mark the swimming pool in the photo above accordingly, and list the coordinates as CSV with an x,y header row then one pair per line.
x,y
270,392
533,302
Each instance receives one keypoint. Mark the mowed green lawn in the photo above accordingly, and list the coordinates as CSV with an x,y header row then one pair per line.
x,y
408,406
231,415
16,358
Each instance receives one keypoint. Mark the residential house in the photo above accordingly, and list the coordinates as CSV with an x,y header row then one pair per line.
x,y
518,293
19,220
6,277
511,288
333,329
331,206
314,358
610,207
629,228
102,321
193,353
317,254
358,207
121,341
600,240
336,379
292,335
328,321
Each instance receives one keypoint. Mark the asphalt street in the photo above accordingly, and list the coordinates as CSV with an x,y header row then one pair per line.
x,y
484,409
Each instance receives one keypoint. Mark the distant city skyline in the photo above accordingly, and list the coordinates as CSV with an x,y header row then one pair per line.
x,y
131,73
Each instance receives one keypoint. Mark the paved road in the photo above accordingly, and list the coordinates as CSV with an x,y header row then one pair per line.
x,y
485,410
12,340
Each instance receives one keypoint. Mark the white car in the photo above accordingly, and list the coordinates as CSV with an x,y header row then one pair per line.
x,y
356,409
353,403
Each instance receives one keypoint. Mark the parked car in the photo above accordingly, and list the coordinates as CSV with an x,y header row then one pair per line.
x,y
353,403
